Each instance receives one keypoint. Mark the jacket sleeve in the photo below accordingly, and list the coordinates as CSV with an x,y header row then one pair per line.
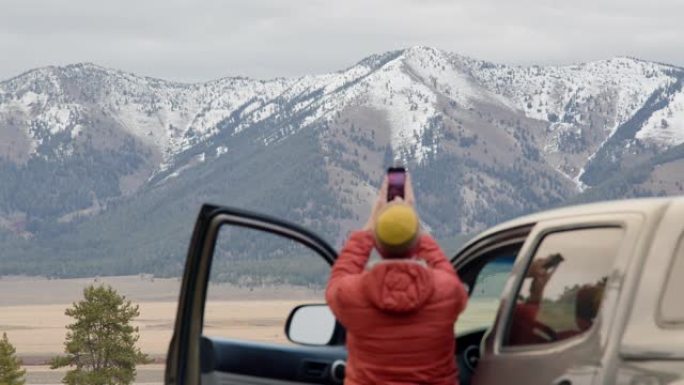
x,y
429,250
346,271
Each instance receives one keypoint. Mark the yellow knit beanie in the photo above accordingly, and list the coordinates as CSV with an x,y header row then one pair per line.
x,y
396,230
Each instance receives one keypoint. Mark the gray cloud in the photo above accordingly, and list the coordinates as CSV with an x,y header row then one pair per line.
x,y
201,40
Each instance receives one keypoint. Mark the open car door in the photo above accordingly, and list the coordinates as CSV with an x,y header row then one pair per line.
x,y
254,244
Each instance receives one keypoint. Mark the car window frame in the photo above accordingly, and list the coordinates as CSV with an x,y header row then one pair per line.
x,y
509,316
478,247
471,254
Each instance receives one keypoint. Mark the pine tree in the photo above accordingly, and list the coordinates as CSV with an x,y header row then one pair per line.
x,y
101,343
11,372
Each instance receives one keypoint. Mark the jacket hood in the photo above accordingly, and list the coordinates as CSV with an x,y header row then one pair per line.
x,y
398,286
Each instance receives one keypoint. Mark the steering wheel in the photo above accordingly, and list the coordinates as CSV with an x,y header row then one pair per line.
x,y
545,330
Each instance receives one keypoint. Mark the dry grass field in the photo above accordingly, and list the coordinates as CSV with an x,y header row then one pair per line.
x,y
32,314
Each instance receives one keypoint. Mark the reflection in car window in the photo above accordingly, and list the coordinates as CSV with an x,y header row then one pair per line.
x,y
563,289
257,279
484,298
671,309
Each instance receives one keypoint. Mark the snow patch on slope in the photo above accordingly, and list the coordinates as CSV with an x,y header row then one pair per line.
x,y
406,85
544,92
666,126
406,88
409,105
170,116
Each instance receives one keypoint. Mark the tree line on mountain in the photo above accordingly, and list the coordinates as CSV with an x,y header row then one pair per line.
x,y
48,187
150,232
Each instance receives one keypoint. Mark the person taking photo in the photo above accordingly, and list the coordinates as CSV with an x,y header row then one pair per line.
x,y
400,313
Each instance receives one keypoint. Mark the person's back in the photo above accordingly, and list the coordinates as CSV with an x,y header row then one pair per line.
x,y
399,315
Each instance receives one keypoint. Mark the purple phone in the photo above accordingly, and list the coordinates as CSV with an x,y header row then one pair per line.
x,y
396,179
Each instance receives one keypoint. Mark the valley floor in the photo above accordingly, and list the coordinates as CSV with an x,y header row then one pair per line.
x,y
32,314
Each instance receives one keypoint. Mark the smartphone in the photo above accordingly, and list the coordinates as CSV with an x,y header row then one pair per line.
x,y
554,261
396,180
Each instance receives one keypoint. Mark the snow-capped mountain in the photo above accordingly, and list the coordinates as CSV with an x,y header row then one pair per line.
x,y
83,144
167,116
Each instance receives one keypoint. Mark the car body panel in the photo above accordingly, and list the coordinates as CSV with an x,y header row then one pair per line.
x,y
650,351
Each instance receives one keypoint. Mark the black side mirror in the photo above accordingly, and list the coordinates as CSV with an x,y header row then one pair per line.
x,y
311,325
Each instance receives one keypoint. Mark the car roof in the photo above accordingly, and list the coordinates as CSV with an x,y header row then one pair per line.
x,y
641,205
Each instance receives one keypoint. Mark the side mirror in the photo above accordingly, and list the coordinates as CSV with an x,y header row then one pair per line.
x,y
310,325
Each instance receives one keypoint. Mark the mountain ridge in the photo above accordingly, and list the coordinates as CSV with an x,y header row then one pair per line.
x,y
89,147
387,57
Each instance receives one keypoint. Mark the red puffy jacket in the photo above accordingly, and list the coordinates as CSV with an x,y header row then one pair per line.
x,y
399,315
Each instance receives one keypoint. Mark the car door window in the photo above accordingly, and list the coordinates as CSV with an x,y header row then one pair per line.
x,y
257,279
562,292
483,302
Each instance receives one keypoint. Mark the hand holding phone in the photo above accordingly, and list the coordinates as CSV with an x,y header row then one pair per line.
x,y
396,183
553,261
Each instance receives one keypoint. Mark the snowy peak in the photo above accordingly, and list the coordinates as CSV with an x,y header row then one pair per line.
x,y
579,105
408,84
544,93
169,116
407,87
486,141
666,126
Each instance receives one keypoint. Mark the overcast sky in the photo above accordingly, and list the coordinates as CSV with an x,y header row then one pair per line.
x,y
190,40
